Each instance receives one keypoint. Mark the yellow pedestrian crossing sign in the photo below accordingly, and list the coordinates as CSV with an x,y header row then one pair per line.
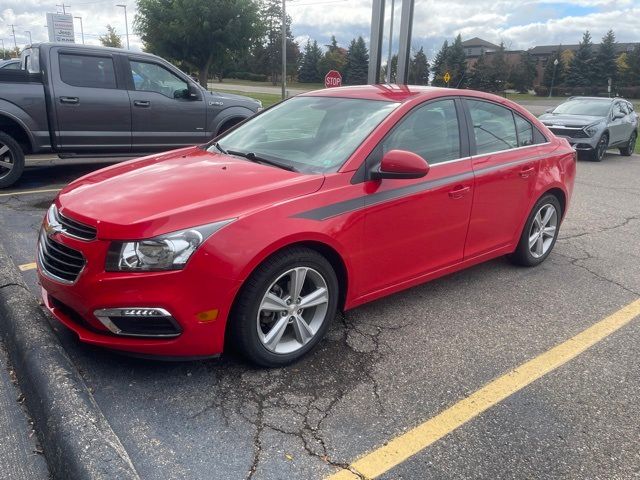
x,y
446,78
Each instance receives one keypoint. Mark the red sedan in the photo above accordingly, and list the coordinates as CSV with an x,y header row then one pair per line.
x,y
323,202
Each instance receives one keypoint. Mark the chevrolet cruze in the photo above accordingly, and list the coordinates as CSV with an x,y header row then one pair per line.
x,y
323,202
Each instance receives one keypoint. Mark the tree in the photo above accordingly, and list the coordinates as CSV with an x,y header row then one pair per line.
x,y
524,73
481,75
457,63
623,70
500,69
335,58
606,60
419,69
309,67
440,65
581,72
633,60
394,70
548,75
223,28
357,66
111,38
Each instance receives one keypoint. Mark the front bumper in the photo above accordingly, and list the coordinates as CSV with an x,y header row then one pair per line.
x,y
186,294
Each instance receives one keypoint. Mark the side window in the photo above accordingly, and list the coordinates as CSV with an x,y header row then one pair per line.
x,y
525,132
87,71
151,77
493,126
431,131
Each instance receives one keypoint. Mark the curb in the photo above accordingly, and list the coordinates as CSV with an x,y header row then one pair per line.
x,y
78,441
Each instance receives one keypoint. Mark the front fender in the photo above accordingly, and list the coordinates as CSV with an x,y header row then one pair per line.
x,y
230,113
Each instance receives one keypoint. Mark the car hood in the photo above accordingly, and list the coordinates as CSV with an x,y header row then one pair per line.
x,y
569,120
176,190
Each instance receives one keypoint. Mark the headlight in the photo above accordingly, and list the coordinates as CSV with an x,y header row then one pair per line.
x,y
165,252
592,129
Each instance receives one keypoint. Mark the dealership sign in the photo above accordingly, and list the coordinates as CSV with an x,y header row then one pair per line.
x,y
60,28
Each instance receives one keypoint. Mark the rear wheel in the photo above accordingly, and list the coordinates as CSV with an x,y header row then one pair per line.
x,y
628,149
540,232
11,160
285,307
598,153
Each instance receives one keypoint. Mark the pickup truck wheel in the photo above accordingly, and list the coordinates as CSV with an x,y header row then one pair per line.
x,y
11,160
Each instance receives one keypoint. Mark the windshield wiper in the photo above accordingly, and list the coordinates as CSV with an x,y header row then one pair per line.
x,y
217,145
255,158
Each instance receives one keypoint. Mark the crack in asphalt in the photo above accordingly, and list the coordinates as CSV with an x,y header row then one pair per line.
x,y
626,221
13,285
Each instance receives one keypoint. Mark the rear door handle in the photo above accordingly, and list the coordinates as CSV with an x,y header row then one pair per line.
x,y
141,103
72,100
459,191
526,171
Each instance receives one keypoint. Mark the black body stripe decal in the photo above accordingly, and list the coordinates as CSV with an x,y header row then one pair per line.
x,y
364,201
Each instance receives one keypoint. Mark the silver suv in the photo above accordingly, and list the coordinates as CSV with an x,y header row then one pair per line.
x,y
592,125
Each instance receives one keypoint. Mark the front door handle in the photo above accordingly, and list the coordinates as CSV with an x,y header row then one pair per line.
x,y
526,171
459,191
141,103
72,100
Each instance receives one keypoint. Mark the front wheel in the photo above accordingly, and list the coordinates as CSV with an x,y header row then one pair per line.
x,y
601,148
540,232
285,307
628,149
11,160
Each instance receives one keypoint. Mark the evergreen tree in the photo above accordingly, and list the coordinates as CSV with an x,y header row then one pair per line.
x,y
419,69
335,58
394,70
499,69
309,68
357,67
548,75
111,38
457,63
524,73
606,60
481,75
633,60
581,72
440,66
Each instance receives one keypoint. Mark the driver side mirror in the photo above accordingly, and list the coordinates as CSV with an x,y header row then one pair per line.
x,y
401,164
549,110
618,114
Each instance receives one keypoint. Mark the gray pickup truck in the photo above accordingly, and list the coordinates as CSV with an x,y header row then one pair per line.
x,y
86,101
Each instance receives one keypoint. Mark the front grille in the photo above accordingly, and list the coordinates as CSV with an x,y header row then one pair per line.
x,y
75,229
570,132
58,260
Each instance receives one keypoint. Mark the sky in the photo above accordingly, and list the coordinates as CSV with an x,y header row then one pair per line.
x,y
520,24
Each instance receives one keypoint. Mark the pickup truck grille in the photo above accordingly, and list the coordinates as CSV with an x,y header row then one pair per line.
x,y
569,132
75,229
59,261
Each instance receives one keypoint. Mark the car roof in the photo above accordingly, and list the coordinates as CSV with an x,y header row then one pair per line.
x,y
397,93
601,99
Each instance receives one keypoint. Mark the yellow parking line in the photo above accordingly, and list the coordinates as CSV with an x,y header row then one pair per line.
x,y
27,266
408,444
25,192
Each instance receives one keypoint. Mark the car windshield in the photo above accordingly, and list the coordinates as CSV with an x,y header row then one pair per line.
x,y
307,134
596,108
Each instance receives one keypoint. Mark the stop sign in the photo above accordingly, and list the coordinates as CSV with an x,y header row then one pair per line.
x,y
333,79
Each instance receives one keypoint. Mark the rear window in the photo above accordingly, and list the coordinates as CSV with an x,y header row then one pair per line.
x,y
87,71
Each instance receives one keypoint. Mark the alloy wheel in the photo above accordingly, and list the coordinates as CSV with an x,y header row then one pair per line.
x,y
632,142
543,230
602,148
6,161
292,310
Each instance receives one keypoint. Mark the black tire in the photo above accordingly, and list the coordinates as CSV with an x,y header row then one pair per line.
x,y
523,255
15,155
244,319
598,153
627,150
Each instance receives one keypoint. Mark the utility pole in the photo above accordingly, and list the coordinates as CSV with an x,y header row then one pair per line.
x,y
3,51
375,47
390,41
553,77
81,28
126,23
29,33
404,46
284,49
13,32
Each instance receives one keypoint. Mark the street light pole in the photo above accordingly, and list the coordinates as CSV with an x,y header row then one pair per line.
x,y
553,77
390,41
81,28
29,33
284,49
126,23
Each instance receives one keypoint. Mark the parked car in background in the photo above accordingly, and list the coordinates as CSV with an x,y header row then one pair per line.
x,y
77,100
11,64
323,202
593,125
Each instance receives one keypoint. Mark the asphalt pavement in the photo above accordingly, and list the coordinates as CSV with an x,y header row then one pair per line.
x,y
386,367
